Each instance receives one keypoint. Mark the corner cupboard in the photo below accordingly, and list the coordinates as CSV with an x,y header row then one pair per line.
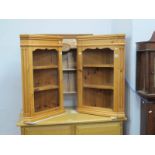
x,y
91,67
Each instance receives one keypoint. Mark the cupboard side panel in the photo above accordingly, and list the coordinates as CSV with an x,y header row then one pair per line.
x,y
25,82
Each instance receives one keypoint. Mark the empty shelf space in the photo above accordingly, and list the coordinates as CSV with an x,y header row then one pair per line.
x,y
98,86
96,65
98,98
45,67
45,100
47,87
69,69
98,56
44,57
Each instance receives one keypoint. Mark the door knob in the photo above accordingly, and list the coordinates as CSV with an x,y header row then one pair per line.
x,y
150,111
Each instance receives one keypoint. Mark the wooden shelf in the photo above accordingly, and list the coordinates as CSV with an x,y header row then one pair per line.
x,y
145,95
47,87
69,69
98,86
45,67
104,65
70,92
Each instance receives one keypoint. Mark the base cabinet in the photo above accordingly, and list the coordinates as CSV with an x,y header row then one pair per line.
x,y
73,123
108,128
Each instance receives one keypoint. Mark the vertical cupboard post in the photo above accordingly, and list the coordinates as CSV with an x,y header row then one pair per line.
x,y
60,78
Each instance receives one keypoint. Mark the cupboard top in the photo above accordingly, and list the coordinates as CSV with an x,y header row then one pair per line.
x,y
146,45
101,40
109,36
55,40
40,40
39,37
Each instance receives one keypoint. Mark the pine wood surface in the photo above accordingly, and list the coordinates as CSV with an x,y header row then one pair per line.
x,y
70,116
95,67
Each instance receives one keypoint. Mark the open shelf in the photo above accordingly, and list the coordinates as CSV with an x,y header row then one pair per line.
x,y
45,67
98,76
69,81
69,76
98,65
70,92
69,59
47,87
98,98
45,57
45,100
45,77
98,86
98,57
69,69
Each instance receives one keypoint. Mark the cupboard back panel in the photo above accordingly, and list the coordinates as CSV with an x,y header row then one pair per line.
x,y
98,56
45,100
45,57
69,58
98,98
69,81
98,76
45,77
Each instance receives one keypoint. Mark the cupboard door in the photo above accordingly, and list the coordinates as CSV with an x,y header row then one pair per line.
x,y
147,118
151,120
97,77
100,76
49,130
112,128
47,80
42,76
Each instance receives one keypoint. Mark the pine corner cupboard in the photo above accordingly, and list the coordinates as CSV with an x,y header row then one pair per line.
x,y
90,67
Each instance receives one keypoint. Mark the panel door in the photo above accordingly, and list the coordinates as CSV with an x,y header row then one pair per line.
x,y
110,128
47,81
49,130
98,77
151,119
42,76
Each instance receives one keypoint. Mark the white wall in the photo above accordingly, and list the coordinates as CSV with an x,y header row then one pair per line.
x,y
10,63
135,30
125,26
141,31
